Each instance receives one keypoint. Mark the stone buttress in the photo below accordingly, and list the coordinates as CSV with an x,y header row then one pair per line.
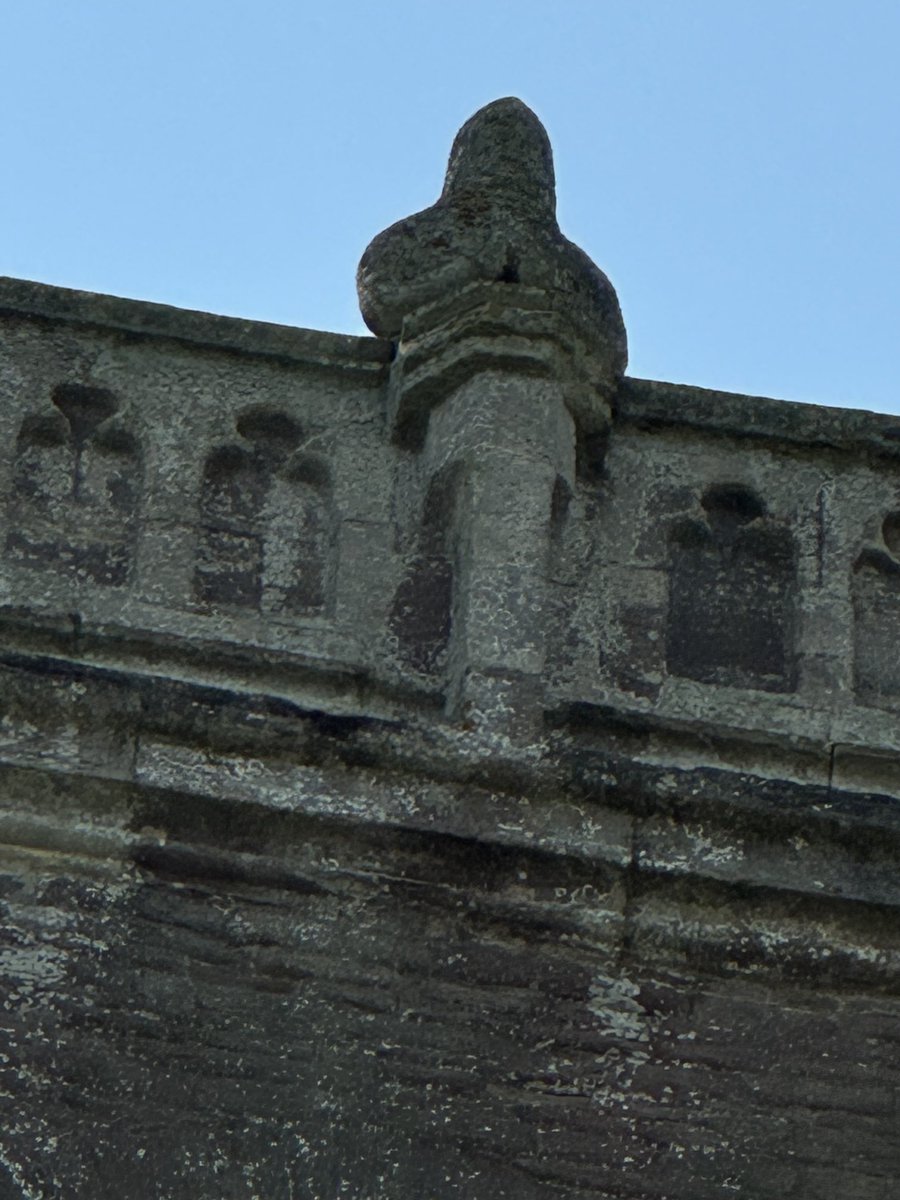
x,y
509,349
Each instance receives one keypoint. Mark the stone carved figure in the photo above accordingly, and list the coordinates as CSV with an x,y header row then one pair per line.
x,y
489,262
495,222
732,594
265,521
76,488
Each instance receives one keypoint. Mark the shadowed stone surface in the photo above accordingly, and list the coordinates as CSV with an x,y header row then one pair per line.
x,y
440,770
733,552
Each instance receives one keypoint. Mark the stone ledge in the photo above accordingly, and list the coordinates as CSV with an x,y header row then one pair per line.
x,y
24,298
588,799
649,882
650,403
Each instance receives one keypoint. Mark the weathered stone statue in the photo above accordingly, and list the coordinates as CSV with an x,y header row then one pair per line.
x,y
494,223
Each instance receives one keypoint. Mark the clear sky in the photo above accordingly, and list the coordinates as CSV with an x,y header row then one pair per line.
x,y
731,164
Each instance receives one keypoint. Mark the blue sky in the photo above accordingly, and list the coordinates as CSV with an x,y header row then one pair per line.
x,y
732,166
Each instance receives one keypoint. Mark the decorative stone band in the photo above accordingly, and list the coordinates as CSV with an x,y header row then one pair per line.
x,y
486,327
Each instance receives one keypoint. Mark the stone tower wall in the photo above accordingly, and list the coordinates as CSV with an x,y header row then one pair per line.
x,y
438,764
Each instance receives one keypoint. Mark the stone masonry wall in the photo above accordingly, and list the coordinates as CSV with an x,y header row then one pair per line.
x,y
139,494
438,765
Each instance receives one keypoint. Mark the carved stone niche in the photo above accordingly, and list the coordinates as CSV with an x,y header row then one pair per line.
x,y
266,521
875,590
732,594
76,487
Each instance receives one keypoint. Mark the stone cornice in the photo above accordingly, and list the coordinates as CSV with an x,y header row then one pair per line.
x,y
650,403
646,403
141,318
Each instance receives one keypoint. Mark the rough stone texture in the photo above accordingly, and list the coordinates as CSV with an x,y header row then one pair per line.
x,y
430,280
495,222
442,768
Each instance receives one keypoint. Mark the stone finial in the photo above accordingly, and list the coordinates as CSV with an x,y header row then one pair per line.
x,y
495,222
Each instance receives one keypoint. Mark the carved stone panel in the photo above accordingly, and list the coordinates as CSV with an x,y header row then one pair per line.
x,y
266,528
732,593
76,488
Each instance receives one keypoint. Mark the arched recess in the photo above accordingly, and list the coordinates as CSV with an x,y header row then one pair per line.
x,y
77,484
266,533
732,594
422,613
300,556
875,589
228,570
